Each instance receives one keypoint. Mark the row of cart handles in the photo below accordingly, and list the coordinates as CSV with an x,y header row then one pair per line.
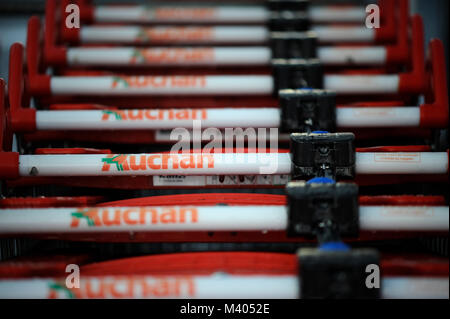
x,y
323,208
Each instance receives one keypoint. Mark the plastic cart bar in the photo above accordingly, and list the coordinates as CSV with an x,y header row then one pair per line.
x,y
404,83
212,14
89,34
205,218
434,113
211,287
283,45
212,164
155,119
207,35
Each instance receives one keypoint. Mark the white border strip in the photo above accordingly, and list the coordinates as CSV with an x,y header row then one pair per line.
x,y
218,164
166,119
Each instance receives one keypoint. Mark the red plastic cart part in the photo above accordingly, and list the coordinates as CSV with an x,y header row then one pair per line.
x,y
400,52
87,9
144,182
77,150
208,199
87,106
44,202
264,199
386,33
41,83
226,101
34,36
39,266
4,139
56,54
412,82
239,199
433,114
7,158
251,263
205,263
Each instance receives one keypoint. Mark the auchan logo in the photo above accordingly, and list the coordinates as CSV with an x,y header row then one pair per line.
x,y
172,55
154,115
183,13
180,81
162,34
58,288
126,287
104,217
120,162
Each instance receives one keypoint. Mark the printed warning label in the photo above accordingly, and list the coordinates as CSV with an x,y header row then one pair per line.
x,y
375,112
255,180
217,180
407,211
397,157
178,180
